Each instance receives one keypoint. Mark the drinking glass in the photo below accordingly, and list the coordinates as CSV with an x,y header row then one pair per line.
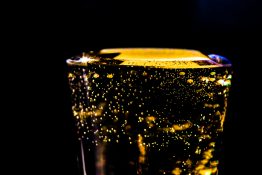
x,y
149,111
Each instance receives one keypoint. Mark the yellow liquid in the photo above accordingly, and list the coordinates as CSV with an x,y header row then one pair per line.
x,y
149,119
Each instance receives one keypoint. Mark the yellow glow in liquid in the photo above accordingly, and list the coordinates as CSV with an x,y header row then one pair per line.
x,y
148,111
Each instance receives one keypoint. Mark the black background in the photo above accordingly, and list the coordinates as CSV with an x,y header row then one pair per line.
x,y
45,34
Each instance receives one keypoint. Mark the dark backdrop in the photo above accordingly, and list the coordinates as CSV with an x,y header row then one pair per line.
x,y
47,33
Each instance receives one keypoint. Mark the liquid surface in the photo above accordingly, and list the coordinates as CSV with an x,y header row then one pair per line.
x,y
151,57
